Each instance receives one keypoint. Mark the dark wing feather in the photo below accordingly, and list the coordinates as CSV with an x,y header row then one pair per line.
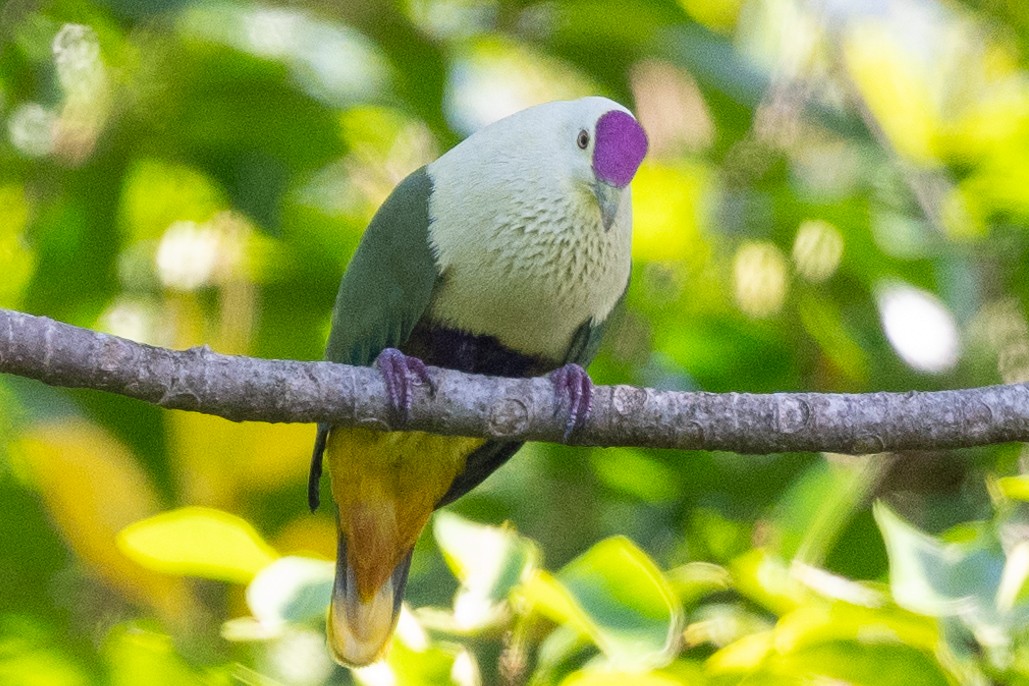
x,y
588,337
480,464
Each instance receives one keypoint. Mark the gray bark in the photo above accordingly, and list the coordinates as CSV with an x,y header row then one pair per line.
x,y
246,388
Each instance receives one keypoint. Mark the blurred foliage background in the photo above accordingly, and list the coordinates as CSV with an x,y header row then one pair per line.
x,y
837,199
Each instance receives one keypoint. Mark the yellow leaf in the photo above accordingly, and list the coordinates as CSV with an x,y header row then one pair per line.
x,y
198,541
219,460
814,624
17,259
602,677
92,487
669,211
717,15
744,655
1014,487
546,595
895,90
139,656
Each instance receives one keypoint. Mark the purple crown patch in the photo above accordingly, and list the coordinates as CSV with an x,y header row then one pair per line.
x,y
621,144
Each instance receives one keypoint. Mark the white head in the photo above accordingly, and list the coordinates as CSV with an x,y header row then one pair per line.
x,y
531,223
592,145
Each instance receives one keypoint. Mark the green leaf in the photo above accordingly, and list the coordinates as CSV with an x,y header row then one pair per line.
x,y
40,668
814,624
291,589
197,541
934,578
971,582
1013,592
637,474
616,595
414,660
823,321
872,658
139,656
404,665
860,663
696,580
811,515
488,561
559,653
766,580
330,61
31,655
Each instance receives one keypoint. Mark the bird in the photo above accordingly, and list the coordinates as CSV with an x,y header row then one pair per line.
x,y
505,256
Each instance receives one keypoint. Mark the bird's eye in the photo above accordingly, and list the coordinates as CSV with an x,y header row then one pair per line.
x,y
584,139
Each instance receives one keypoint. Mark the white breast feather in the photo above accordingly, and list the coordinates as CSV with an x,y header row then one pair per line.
x,y
518,236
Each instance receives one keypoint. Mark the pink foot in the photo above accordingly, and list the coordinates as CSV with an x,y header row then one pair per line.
x,y
399,371
573,386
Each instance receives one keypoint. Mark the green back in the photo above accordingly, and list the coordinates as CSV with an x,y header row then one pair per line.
x,y
387,287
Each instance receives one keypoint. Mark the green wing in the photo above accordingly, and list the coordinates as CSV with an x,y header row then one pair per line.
x,y
384,292
387,287
588,336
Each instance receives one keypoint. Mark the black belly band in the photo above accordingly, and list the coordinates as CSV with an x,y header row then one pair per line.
x,y
441,346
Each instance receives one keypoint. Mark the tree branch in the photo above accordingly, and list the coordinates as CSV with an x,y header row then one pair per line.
x,y
246,388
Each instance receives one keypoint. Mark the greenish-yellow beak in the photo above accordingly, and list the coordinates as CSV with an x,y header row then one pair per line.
x,y
609,198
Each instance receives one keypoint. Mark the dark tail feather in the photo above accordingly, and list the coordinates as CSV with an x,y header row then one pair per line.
x,y
314,477
479,465
359,630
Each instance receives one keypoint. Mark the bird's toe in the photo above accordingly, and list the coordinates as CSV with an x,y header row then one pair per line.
x,y
400,372
573,389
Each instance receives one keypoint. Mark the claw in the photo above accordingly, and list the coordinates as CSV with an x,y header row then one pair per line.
x,y
399,371
572,385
